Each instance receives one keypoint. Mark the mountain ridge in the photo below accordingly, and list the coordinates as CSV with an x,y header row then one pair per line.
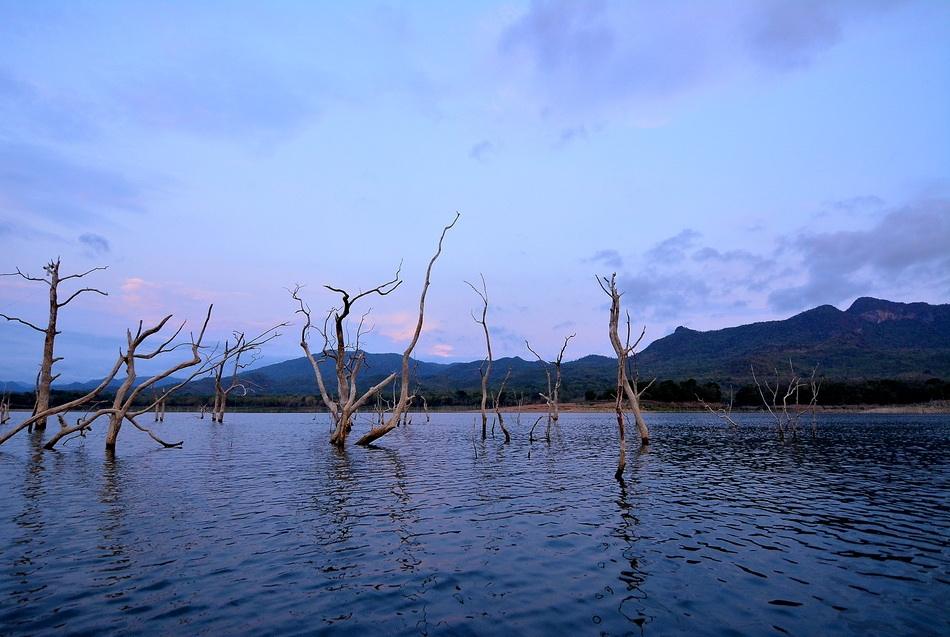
x,y
871,339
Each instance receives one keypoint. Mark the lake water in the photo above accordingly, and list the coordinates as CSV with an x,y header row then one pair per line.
x,y
259,526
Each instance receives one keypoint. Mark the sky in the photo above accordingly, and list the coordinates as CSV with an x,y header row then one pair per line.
x,y
731,161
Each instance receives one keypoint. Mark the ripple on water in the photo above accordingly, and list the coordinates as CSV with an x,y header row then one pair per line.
x,y
258,525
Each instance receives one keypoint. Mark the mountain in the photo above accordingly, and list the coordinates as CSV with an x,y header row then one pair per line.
x,y
872,339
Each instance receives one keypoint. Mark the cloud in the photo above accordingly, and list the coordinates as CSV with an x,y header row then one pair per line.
x,y
662,295
38,181
481,150
442,350
674,248
788,34
28,111
906,247
96,244
609,55
608,257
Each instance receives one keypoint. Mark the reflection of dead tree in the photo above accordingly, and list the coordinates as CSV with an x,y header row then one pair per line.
x,y
45,378
552,398
122,408
496,406
626,386
233,354
785,401
348,358
485,369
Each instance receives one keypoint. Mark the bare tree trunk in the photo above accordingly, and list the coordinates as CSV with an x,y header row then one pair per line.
x,y
404,398
497,407
621,430
552,398
485,370
348,358
46,377
624,350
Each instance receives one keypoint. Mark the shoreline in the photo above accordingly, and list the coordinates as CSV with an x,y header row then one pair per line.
x,y
937,407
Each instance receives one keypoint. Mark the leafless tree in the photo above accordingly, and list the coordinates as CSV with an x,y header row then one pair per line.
x,y
160,410
626,383
496,406
552,398
484,370
348,358
123,406
5,409
237,356
785,401
52,280
723,412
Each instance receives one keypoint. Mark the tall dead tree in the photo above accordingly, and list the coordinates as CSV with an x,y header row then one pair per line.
x,y
626,382
238,356
52,280
123,407
4,409
552,398
348,358
484,369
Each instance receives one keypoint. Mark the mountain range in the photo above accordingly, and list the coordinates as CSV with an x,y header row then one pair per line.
x,y
872,339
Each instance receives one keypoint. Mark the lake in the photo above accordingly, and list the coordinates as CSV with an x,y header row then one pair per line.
x,y
258,526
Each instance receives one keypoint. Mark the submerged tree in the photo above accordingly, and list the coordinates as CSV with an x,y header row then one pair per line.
x,y
123,407
233,355
626,383
552,398
52,280
348,358
484,370
784,398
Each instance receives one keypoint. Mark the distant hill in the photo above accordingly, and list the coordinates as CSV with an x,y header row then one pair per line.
x,y
872,339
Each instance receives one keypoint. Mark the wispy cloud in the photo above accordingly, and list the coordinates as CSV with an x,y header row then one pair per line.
x,y
95,244
39,181
596,56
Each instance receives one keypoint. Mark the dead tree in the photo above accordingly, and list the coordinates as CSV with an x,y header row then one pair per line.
x,y
233,354
348,358
45,378
723,412
5,409
496,406
484,370
377,432
160,410
552,398
123,403
626,383
784,401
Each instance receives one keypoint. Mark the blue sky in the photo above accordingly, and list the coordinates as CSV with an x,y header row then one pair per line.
x,y
731,161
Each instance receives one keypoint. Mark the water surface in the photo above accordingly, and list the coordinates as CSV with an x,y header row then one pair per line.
x,y
259,526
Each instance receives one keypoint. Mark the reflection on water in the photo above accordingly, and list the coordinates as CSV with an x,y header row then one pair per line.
x,y
258,525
